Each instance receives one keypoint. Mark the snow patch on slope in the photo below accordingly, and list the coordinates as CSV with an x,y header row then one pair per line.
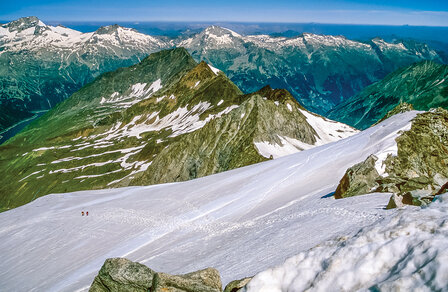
x,y
327,131
137,92
180,121
215,70
288,146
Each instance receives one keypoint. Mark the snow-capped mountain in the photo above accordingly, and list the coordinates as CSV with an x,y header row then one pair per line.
x,y
42,65
165,119
213,37
32,35
320,71
241,222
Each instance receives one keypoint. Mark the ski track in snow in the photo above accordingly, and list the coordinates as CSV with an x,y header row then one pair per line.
x,y
241,222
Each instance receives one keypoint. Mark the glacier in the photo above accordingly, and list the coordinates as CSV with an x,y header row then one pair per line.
x,y
241,222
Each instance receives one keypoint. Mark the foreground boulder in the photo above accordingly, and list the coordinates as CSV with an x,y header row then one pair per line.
x,y
416,174
119,274
359,179
207,280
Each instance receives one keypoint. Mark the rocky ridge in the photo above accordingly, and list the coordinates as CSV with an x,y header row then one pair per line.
x,y
415,173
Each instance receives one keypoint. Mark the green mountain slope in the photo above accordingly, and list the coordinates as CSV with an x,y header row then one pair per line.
x,y
165,119
424,85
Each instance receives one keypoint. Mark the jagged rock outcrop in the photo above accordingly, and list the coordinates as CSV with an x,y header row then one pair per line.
x,y
417,173
120,274
359,179
237,285
123,275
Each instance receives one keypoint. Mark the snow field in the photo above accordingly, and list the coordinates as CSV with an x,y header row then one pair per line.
x,y
241,222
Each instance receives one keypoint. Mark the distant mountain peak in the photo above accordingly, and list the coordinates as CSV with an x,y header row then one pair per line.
x,y
281,95
24,23
220,31
109,29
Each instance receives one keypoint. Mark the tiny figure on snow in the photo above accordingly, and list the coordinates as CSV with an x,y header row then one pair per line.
x,y
87,213
82,213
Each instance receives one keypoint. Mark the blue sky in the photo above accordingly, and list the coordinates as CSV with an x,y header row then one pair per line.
x,y
395,12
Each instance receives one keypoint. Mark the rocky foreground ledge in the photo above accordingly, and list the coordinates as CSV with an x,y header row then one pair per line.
x,y
120,274
415,174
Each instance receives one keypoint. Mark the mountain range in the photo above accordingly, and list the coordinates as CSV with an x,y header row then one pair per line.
x,y
43,65
165,119
320,71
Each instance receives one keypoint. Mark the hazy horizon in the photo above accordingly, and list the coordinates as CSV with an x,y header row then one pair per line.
x,y
361,32
358,12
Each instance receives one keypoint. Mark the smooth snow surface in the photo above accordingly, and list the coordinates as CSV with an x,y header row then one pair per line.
x,y
403,252
241,222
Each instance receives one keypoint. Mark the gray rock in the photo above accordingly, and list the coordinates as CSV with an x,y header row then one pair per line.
x,y
359,179
207,280
237,285
416,175
119,274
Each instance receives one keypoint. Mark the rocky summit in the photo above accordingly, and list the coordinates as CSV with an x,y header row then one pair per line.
x,y
165,119
415,173
423,85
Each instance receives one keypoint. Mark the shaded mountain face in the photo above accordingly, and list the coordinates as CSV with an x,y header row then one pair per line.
x,y
165,119
320,71
42,65
424,85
